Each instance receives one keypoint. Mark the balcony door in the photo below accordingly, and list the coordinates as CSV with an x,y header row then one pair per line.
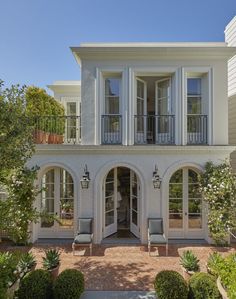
x,y
186,219
164,121
141,112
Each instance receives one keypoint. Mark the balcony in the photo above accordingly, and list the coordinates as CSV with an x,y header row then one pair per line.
x,y
57,130
196,129
154,129
111,129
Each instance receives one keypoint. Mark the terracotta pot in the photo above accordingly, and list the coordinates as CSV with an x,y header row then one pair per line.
x,y
221,289
54,272
52,138
39,136
187,274
60,139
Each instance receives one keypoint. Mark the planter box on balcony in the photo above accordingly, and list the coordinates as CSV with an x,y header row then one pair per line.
x,y
40,136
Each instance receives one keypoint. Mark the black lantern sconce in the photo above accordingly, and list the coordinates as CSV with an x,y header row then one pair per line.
x,y
156,180
85,179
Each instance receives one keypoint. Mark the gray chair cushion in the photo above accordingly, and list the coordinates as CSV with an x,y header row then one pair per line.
x,y
155,226
85,226
83,239
157,239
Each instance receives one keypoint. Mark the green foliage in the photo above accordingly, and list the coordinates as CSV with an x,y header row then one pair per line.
x,y
46,111
19,208
203,286
36,284
52,259
214,262
69,284
8,270
16,142
227,273
189,261
170,285
218,186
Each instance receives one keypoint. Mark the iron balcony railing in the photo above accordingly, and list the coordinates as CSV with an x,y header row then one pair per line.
x,y
57,129
196,129
111,129
154,129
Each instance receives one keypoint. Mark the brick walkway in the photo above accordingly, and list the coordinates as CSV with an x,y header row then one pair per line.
x,y
123,267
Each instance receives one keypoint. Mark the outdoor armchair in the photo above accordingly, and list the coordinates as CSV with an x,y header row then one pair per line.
x,y
156,234
85,234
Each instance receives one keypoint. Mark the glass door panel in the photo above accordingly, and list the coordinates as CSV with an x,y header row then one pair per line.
x,y
110,212
141,111
134,204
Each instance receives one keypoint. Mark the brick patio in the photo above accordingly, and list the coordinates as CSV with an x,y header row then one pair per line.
x,y
119,267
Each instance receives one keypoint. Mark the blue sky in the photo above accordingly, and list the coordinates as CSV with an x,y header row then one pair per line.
x,y
36,34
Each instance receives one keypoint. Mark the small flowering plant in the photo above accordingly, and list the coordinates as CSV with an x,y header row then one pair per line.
x,y
218,186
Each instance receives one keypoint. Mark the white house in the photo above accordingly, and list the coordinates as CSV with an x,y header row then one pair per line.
x,y
145,111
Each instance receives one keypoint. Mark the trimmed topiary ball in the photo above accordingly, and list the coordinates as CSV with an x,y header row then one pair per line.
x,y
203,286
170,285
69,284
36,284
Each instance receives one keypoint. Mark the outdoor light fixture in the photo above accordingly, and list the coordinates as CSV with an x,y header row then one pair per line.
x,y
85,179
156,180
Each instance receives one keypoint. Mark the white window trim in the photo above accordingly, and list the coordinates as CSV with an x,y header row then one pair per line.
x,y
185,72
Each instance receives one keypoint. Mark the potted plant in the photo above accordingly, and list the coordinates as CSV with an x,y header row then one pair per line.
x,y
51,262
213,263
189,263
27,263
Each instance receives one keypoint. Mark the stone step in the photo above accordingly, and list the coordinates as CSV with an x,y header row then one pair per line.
x,y
118,295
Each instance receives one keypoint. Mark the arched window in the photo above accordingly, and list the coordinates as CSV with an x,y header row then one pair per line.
x,y
58,197
185,202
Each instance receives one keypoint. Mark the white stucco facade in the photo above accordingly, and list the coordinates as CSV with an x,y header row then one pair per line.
x,y
129,63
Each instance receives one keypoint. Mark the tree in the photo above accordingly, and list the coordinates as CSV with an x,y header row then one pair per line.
x,y
218,186
16,142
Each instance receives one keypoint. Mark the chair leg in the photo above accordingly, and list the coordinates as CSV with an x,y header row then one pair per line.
x,y
73,248
166,249
149,249
91,248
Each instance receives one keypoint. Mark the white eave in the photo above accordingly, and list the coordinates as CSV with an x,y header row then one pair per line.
x,y
153,50
71,86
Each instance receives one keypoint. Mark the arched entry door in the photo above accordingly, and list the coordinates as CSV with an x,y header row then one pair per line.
x,y
121,202
57,198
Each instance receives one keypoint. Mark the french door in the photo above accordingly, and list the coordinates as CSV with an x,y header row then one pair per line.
x,y
141,112
111,198
185,206
57,198
163,110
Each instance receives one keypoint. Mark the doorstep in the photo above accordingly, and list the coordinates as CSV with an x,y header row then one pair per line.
x,y
118,295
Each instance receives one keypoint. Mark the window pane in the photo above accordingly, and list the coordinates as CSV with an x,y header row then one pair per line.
x,y
140,107
175,220
112,87
111,105
163,89
194,105
175,206
194,86
109,203
71,108
109,189
195,221
193,191
177,177
110,176
140,89
176,191
192,176
109,218
134,217
194,206
163,106
134,203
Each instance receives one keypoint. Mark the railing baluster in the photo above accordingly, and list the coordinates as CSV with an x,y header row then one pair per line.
x,y
196,129
111,129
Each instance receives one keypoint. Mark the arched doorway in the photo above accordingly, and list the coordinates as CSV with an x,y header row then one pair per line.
x,y
57,198
121,203
185,212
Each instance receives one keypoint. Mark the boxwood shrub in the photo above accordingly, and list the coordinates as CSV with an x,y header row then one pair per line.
x,y
36,284
203,286
69,284
170,284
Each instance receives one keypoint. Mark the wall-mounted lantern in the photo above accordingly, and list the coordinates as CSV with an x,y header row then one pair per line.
x,y
156,180
85,179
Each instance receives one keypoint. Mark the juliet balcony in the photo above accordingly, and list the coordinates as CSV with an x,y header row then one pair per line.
x,y
57,130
